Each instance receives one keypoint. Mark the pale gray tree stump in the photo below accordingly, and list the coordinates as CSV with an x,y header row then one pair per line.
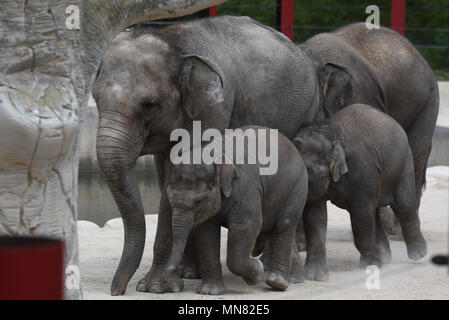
x,y
46,75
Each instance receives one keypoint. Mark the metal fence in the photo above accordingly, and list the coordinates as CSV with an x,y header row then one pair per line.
x,y
423,37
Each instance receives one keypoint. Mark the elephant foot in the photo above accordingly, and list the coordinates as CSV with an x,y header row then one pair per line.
x,y
302,246
316,270
297,276
257,272
417,249
301,242
117,291
277,281
366,261
188,271
385,255
396,232
157,285
118,286
211,287
296,268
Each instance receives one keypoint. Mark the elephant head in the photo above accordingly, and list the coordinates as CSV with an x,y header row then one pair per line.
x,y
144,90
323,156
194,193
336,87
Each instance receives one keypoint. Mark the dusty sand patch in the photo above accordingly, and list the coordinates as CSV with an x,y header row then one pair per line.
x,y
100,250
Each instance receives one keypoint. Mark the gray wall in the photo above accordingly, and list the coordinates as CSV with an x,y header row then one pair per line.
x,y
440,148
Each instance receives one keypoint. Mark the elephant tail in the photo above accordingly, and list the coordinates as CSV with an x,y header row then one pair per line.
x,y
426,122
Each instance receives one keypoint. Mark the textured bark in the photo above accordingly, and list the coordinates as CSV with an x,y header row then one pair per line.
x,y
46,74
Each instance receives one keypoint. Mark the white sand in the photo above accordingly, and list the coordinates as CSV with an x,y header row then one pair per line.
x,y
100,250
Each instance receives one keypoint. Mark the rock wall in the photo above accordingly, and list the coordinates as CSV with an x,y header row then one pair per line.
x,y
46,74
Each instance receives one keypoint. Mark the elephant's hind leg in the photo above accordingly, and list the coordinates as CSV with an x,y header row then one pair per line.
x,y
315,228
406,210
283,242
285,260
383,244
420,135
363,222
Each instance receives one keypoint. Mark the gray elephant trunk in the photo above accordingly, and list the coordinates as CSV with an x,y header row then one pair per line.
x,y
182,223
119,143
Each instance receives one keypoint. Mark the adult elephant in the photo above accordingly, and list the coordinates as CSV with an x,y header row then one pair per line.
x,y
382,69
225,72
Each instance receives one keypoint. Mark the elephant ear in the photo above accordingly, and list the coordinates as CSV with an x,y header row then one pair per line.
x,y
224,175
338,166
336,86
201,84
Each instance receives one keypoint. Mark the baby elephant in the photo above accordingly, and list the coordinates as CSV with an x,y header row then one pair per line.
x,y
204,197
361,161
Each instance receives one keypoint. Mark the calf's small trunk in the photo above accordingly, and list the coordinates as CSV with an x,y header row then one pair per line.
x,y
182,223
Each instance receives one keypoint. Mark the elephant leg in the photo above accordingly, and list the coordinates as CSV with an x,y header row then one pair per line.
x,y
279,274
315,227
300,237
363,222
239,260
264,246
405,210
383,244
242,236
284,260
296,264
152,282
188,266
390,223
207,237
296,267
420,135
409,220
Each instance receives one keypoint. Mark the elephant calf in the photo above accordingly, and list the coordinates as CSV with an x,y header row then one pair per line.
x,y
361,161
208,196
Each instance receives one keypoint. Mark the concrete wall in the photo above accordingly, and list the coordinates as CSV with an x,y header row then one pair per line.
x,y
440,148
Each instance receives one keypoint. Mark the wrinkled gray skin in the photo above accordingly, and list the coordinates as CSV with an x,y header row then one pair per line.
x,y
383,69
207,196
361,173
226,72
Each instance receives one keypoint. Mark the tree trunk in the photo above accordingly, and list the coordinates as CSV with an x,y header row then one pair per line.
x,y
46,75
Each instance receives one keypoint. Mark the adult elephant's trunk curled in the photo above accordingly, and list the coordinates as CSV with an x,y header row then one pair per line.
x,y
182,223
119,143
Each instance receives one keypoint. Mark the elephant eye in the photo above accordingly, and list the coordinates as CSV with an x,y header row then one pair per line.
x,y
149,105
199,202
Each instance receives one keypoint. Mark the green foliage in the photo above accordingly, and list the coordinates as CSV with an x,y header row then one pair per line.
x,y
312,17
263,11
430,14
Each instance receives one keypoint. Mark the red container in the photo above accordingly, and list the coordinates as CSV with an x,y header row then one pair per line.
x,y
31,268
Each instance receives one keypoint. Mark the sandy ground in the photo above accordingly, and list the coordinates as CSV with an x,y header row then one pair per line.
x,y
100,250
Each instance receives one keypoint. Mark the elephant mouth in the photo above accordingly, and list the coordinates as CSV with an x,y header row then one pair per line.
x,y
176,205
